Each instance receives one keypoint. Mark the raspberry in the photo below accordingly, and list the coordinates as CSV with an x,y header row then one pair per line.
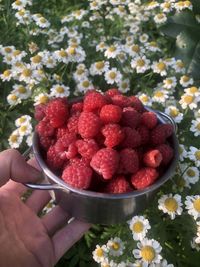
x,y
132,138
144,134
54,162
72,123
94,101
136,103
65,146
57,112
113,135
113,91
118,185
87,148
88,125
144,178
105,162
43,128
76,108
160,133
61,131
46,142
152,158
129,161
39,112
80,161
77,177
130,117
121,101
167,153
110,114
149,119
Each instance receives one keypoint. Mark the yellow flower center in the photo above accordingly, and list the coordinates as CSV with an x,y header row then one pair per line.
x,y
23,128
144,98
102,45
21,120
16,52
99,252
188,99
196,204
94,4
124,85
85,84
8,50
60,89
185,78
154,44
190,173
159,94
80,71
26,72
43,20
18,3
160,16
112,75
6,73
180,4
121,8
36,59
140,62
187,3
171,204
112,48
72,51
193,89
115,246
180,64
21,12
13,138
148,253
174,112
13,97
168,81
138,227
43,99
135,48
197,154
21,89
152,3
198,127
167,5
63,53
99,64
78,12
161,66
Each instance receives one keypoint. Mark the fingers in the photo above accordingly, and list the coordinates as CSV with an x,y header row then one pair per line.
x,y
55,219
13,166
38,200
68,236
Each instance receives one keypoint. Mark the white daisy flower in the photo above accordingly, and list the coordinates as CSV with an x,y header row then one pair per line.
x,y
170,83
26,74
124,85
182,152
139,227
21,91
191,176
171,205
160,18
61,55
152,5
146,100
140,63
7,50
115,246
143,38
112,51
148,251
152,46
25,129
186,80
160,67
129,40
134,29
41,21
194,155
18,55
84,85
29,140
23,120
167,6
13,99
6,75
181,5
193,91
179,66
15,139
188,101
42,98
160,96
192,204
99,67
195,127
101,47
100,253
113,76
134,50
59,90
175,113
80,74
37,60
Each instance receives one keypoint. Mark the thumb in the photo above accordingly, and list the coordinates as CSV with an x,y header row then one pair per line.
x,y
13,166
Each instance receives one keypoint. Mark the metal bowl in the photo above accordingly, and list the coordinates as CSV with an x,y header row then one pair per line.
x,y
103,208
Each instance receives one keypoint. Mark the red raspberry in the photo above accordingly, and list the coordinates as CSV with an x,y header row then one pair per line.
x,y
144,178
118,185
113,91
87,148
121,101
113,133
132,138
77,177
88,125
110,114
61,131
160,133
152,158
130,117
144,134
39,112
54,162
80,161
149,119
105,162
57,112
44,128
94,101
46,142
129,161
76,108
65,146
136,103
72,123
167,153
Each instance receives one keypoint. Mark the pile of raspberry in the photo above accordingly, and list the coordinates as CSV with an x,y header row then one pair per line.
x,y
104,142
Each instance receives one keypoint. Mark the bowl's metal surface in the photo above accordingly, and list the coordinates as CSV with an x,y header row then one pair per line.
x,y
103,208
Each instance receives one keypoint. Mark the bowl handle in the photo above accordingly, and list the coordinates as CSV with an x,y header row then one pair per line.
x,y
168,118
26,155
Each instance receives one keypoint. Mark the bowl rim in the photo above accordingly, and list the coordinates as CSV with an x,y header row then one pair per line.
x,y
87,193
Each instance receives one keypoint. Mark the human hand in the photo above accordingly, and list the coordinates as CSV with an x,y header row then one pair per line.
x,y
27,240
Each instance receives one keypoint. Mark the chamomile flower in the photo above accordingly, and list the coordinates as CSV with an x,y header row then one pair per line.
x,y
192,204
171,205
101,47
99,67
181,5
13,99
152,46
167,6
41,21
23,92
160,95
152,5
188,101
148,251
182,152
143,38
113,76
59,90
186,80
160,18
160,67
25,129
139,227
179,66
26,74
61,55
80,74
146,100
140,64
19,4
6,75
36,61
84,85
22,120
15,139
134,50
193,91
42,98
29,139
112,51
195,127
100,253
194,155
170,83
124,85
175,113
191,176
115,246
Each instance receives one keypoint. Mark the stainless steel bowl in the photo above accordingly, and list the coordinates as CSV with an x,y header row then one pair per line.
x,y
103,208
